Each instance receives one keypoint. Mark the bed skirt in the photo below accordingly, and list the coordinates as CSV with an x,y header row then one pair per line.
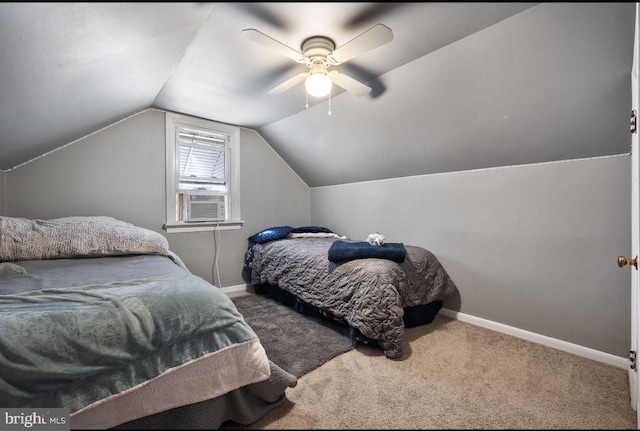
x,y
243,406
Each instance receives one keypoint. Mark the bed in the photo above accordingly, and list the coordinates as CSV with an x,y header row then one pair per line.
x,y
99,316
377,291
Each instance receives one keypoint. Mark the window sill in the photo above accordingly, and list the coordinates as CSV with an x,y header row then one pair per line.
x,y
179,227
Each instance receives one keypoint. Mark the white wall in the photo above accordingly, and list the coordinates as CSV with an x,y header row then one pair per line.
x,y
120,172
533,246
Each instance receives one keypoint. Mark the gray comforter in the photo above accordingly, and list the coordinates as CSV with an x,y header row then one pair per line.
x,y
74,237
369,294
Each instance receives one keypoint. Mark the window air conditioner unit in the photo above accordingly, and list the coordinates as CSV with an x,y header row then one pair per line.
x,y
202,206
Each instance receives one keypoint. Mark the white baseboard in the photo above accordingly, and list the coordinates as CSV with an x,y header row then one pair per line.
x,y
237,290
585,352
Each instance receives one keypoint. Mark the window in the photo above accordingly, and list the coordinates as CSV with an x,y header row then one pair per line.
x,y
202,174
203,160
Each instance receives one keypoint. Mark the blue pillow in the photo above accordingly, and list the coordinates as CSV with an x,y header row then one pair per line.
x,y
271,234
312,229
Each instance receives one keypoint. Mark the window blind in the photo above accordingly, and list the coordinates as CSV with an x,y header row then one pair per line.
x,y
202,158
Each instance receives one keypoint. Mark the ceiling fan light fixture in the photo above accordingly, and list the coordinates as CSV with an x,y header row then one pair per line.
x,y
318,53
318,84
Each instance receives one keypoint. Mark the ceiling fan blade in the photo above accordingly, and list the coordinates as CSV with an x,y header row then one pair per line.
x,y
269,42
349,84
374,37
372,13
262,13
281,88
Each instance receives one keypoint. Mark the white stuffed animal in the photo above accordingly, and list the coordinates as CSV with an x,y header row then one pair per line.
x,y
375,239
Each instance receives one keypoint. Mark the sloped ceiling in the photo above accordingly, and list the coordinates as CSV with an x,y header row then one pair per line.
x,y
461,86
69,69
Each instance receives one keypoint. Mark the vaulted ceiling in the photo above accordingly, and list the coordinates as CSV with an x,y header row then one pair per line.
x,y
461,85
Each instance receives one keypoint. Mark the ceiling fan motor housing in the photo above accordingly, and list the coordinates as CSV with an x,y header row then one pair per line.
x,y
319,52
317,47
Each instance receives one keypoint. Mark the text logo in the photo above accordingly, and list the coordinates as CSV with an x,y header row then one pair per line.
x,y
35,419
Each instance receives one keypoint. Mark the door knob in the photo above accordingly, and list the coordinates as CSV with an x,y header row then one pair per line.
x,y
623,261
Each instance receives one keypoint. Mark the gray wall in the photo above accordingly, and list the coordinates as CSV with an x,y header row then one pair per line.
x,y
120,172
271,195
1,192
532,246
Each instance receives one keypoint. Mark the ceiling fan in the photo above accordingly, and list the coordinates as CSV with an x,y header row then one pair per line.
x,y
319,53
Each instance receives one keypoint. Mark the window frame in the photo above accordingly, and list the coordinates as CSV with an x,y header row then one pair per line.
x,y
173,121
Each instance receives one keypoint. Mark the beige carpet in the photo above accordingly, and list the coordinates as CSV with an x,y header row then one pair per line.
x,y
457,376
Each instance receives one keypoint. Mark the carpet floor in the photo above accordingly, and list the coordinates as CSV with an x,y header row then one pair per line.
x,y
455,376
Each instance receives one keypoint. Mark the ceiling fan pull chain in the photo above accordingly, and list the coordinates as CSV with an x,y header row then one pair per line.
x,y
307,99
329,113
